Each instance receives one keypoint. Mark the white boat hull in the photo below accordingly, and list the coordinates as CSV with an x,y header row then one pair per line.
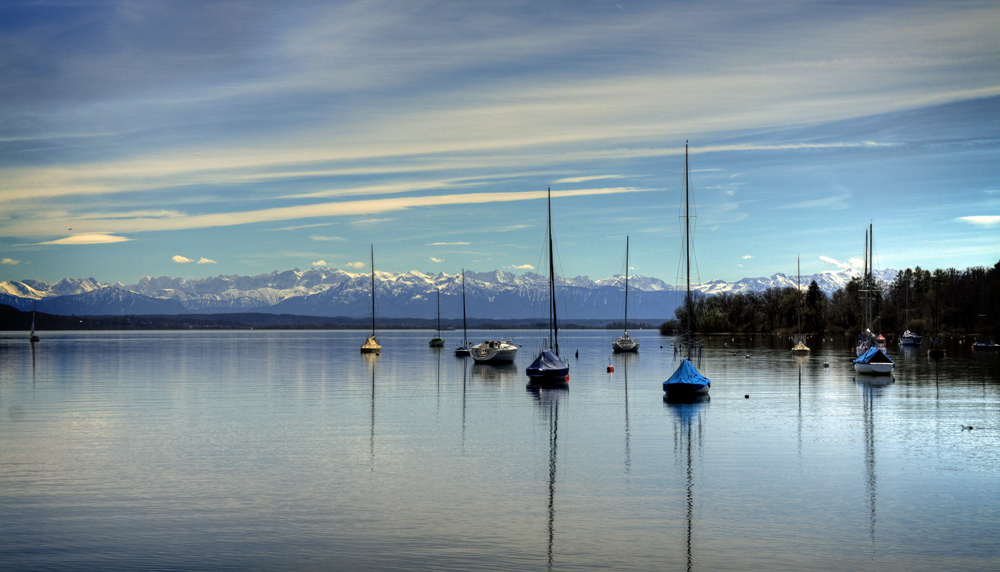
x,y
494,352
873,368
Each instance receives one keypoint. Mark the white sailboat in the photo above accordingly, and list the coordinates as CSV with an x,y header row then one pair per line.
x,y
371,345
800,346
625,343
686,382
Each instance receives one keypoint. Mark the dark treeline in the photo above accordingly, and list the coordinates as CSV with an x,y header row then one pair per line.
x,y
925,302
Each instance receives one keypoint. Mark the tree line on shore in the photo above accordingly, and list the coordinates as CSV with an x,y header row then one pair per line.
x,y
924,302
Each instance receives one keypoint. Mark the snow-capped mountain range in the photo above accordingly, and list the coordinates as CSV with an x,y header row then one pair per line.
x,y
334,292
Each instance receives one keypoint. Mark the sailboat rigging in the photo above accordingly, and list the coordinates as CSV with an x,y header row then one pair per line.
x,y
31,336
871,348
371,345
548,366
800,341
463,349
625,343
687,382
438,342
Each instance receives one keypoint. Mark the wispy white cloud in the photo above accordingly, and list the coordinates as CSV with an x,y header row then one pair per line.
x,y
319,238
356,265
982,220
435,259
204,260
181,259
10,261
448,243
522,267
747,257
319,263
88,239
851,263
585,179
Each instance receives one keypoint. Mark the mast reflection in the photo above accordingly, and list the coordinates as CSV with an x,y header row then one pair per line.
x,y
547,398
687,423
372,359
871,386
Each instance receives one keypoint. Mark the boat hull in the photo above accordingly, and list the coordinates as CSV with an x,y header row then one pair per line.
x,y
686,382
371,346
622,345
548,367
873,368
494,352
462,351
437,343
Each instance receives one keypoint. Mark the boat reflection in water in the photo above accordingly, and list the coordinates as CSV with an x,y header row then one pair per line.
x,y
493,371
872,387
547,399
687,434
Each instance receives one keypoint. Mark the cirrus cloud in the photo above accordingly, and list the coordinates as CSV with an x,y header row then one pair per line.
x,y
984,220
204,260
181,260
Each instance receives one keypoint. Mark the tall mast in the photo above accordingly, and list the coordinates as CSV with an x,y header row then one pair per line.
x,y
553,325
373,290
687,243
439,312
626,283
465,337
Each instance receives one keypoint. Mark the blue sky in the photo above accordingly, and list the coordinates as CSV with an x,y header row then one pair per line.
x,y
201,138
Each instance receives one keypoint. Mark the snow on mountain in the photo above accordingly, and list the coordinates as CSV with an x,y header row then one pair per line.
x,y
333,292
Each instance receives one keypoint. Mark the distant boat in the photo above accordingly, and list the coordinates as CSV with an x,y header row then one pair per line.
x,y
463,349
31,336
371,345
548,366
625,343
989,346
687,382
800,346
438,342
494,351
910,339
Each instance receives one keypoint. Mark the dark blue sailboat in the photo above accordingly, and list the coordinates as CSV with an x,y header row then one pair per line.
x,y
548,366
687,382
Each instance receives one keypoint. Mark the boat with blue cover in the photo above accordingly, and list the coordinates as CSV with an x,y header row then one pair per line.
x,y
548,366
687,382
874,361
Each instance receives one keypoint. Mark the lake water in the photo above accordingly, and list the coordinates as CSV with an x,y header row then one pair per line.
x,y
291,451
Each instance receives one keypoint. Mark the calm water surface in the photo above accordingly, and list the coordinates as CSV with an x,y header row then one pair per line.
x,y
290,450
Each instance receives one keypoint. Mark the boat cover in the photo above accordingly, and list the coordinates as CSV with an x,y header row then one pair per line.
x,y
874,355
548,364
687,378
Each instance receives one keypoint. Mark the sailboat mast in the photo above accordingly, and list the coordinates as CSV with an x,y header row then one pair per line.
x,y
687,242
373,290
626,283
465,336
554,327
439,312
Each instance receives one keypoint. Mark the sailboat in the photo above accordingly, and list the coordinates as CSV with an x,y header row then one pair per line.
x,y
687,382
438,342
371,345
625,343
463,349
908,338
548,366
800,346
871,348
31,336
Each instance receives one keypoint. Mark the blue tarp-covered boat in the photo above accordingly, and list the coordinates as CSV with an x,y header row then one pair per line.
x,y
548,366
873,361
686,381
